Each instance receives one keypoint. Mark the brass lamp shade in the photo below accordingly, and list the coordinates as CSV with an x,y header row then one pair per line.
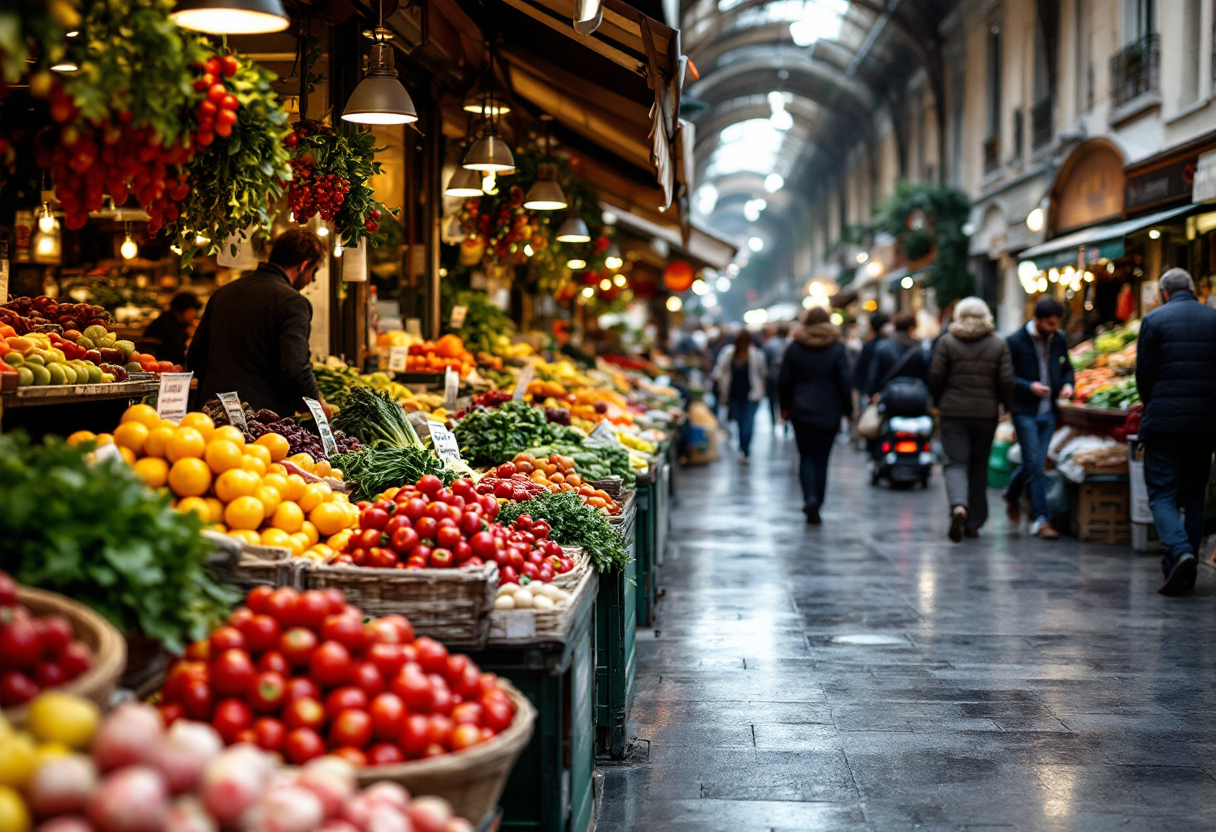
x,y
231,17
380,97
490,154
464,183
480,105
573,230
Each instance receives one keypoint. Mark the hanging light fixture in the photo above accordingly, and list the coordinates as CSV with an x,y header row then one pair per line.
x,y
573,230
612,257
380,97
545,193
47,222
231,17
128,249
480,102
464,183
576,263
490,153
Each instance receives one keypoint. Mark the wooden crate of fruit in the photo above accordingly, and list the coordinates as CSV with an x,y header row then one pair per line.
x,y
452,605
245,566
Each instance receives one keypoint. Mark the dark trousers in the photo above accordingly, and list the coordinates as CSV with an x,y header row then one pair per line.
x,y
967,443
814,449
743,411
1176,470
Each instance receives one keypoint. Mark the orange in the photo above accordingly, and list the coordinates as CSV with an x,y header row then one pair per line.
x,y
81,436
277,444
295,488
153,471
158,441
198,505
314,494
186,443
275,537
269,498
276,468
131,435
229,433
189,477
310,531
222,455
245,536
338,541
105,439
145,414
260,451
299,543
328,518
305,461
288,517
128,455
234,483
244,513
215,508
201,422
322,468
252,463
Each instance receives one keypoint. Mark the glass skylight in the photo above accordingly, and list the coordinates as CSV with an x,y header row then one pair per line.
x,y
810,20
752,145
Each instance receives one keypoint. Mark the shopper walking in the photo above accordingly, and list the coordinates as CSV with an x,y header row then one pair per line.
x,y
740,378
879,329
815,395
774,350
1176,375
970,378
900,356
1042,376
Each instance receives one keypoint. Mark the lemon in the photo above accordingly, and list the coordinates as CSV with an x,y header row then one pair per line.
x,y
18,759
14,817
60,717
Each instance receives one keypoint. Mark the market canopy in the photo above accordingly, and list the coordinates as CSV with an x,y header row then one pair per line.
x,y
1103,242
703,248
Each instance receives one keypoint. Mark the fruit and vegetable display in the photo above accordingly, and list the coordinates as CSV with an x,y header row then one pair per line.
x,y
335,380
556,473
542,597
486,328
437,356
300,440
46,314
71,771
94,532
571,523
372,471
1119,394
491,436
1104,367
36,651
303,674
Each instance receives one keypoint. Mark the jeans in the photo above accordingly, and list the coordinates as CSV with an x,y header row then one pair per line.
x,y
967,443
1034,435
1176,470
744,412
814,448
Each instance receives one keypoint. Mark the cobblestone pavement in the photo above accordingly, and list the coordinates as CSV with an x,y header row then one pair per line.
x,y
870,675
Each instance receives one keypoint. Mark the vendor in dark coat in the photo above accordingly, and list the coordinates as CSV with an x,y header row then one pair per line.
x,y
172,327
253,337
1176,376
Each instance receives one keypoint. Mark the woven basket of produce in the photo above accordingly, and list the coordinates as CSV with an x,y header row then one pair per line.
x,y
582,565
452,605
613,486
245,566
106,645
547,616
471,780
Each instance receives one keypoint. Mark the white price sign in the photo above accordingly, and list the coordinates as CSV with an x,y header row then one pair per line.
x,y
521,386
458,315
236,413
397,357
604,433
173,398
327,435
446,446
451,385
107,451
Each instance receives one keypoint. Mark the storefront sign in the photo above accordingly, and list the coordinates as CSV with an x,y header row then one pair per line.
x,y
173,398
1205,178
444,442
327,435
1090,190
458,316
236,413
397,357
1161,185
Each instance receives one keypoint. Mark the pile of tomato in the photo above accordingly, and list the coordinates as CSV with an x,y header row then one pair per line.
x,y
36,652
301,674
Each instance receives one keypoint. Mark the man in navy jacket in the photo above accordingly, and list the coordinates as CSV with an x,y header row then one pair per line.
x,y
1176,375
1042,374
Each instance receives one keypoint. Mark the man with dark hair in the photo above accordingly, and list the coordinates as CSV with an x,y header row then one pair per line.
x,y
900,356
253,338
1176,375
172,327
1042,374
861,371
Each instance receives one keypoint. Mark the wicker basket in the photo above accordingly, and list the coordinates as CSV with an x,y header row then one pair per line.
x,y
103,640
569,581
612,486
520,628
452,605
244,566
472,780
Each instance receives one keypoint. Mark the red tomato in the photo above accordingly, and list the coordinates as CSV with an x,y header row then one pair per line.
x,y
381,558
346,629
381,631
439,731
56,634
414,688
367,677
239,616
462,551
483,544
171,713
489,506
489,686
261,633
465,736
257,598
436,511
385,754
387,658
467,712
443,558
228,65
397,522
311,609
540,529
297,645
273,661
442,700
337,600
448,536
330,664
430,485
302,745
300,688
365,539
351,727
226,638
546,573
470,523
268,734
231,673
426,528
340,699
281,605
354,756
373,519
465,489
432,655
403,541
196,700
414,509
304,713
388,716
468,686
199,651
457,664
415,736
230,718
16,688
179,675
268,692
497,714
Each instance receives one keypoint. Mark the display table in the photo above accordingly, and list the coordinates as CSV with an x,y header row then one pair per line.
x,y
653,502
616,618
64,409
1092,419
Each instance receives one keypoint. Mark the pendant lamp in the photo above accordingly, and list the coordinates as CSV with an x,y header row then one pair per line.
x,y
231,17
464,183
573,230
490,153
380,98
545,193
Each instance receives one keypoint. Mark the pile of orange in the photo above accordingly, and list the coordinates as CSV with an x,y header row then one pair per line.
x,y
436,356
240,488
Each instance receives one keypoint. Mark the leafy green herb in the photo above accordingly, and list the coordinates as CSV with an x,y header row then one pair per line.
x,y
574,524
372,470
488,437
373,417
97,534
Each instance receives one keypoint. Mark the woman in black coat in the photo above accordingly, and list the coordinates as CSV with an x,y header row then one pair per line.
x,y
815,396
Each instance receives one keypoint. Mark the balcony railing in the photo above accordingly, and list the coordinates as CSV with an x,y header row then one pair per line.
x,y
1041,126
992,153
1136,69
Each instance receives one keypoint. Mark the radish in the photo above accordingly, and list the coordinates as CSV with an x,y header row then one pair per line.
x,y
284,809
131,735
132,799
233,781
67,823
62,785
430,814
186,750
387,791
332,780
188,815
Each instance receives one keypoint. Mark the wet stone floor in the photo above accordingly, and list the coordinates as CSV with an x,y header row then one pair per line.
x,y
870,675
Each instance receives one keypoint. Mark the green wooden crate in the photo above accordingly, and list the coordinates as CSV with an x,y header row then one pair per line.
x,y
616,660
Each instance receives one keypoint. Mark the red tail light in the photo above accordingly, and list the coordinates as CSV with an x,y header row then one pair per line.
x,y
906,448
886,447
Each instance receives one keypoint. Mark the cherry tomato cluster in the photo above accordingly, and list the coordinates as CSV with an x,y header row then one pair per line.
x,y
35,652
530,553
300,674
216,113
310,195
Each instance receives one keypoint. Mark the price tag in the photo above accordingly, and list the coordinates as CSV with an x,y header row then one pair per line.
x,y
521,624
173,398
445,444
457,319
420,424
397,357
236,413
327,435
451,385
107,451
521,386
604,433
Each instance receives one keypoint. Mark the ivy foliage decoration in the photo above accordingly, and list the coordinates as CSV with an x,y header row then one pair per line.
x,y
928,216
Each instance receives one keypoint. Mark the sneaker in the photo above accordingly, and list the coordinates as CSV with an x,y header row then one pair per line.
x,y
958,520
1043,530
1012,510
1181,577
